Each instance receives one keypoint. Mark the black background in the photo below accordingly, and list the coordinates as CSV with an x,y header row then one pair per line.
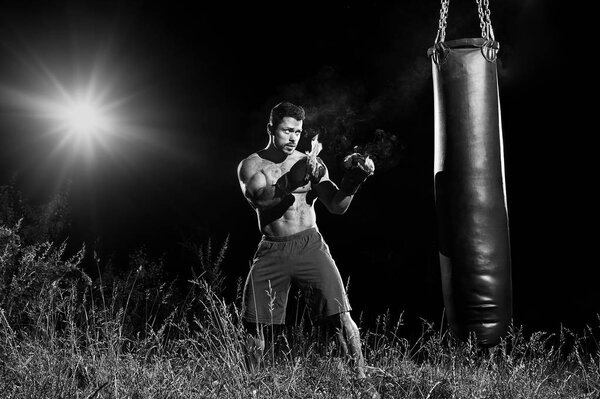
x,y
205,76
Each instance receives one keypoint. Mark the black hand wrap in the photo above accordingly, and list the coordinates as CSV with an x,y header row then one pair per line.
x,y
282,186
358,169
319,172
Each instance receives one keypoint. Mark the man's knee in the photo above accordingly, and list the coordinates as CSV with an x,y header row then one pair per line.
x,y
341,321
346,320
254,343
254,336
349,326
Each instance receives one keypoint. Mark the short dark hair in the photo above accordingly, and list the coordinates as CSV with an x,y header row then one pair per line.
x,y
284,109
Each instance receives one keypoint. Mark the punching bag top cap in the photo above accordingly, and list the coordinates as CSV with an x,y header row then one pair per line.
x,y
464,43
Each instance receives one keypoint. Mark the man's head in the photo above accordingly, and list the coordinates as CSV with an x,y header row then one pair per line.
x,y
282,110
285,126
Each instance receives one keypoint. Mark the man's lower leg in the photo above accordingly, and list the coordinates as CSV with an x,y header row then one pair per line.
x,y
353,338
255,346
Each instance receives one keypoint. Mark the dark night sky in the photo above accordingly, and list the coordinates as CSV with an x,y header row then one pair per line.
x,y
200,80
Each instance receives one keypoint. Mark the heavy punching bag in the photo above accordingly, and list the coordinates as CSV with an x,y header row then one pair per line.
x,y
470,195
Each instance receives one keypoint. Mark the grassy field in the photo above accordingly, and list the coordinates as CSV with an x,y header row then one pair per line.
x,y
64,335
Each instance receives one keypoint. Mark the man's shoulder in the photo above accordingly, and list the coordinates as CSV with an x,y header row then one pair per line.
x,y
250,164
251,158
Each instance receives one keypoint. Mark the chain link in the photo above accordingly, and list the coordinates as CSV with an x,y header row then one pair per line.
x,y
485,22
441,35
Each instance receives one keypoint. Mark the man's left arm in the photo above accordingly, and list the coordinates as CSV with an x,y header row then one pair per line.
x,y
338,199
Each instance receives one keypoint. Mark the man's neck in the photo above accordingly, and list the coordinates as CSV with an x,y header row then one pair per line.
x,y
273,154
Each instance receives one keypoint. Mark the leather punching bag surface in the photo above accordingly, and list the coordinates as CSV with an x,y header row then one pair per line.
x,y
470,196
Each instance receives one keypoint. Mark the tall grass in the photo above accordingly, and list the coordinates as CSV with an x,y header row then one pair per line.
x,y
63,335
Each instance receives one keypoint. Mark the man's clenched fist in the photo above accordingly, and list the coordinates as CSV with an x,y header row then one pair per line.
x,y
357,169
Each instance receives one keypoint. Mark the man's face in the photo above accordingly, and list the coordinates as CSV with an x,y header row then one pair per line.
x,y
287,134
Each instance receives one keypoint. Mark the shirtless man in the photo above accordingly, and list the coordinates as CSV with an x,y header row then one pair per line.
x,y
282,185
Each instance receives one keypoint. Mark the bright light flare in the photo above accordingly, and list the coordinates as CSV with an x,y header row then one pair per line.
x,y
95,113
83,115
84,118
80,117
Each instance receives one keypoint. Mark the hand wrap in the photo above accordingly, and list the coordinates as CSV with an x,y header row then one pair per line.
x,y
358,169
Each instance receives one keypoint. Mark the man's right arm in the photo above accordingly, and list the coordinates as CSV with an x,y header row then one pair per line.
x,y
256,188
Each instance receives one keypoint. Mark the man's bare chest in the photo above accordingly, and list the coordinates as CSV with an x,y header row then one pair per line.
x,y
273,171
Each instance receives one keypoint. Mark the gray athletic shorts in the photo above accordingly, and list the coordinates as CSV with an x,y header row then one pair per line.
x,y
302,259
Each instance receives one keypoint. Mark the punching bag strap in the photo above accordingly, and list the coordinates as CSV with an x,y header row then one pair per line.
x,y
439,52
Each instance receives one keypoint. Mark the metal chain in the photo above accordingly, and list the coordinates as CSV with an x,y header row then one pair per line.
x,y
488,19
441,34
485,22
